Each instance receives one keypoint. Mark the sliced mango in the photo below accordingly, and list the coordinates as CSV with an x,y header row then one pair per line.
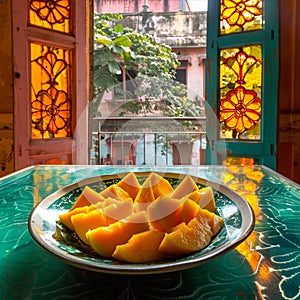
x,y
145,223
66,217
130,184
205,198
194,236
188,211
105,239
116,192
160,186
186,186
117,209
144,198
163,214
84,222
214,221
87,197
141,248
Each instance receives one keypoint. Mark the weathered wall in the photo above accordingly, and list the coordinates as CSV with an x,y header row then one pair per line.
x,y
186,33
177,29
132,6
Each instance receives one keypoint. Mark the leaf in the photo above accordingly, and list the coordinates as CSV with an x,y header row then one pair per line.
x,y
127,57
114,68
104,40
122,41
103,79
103,57
118,28
118,50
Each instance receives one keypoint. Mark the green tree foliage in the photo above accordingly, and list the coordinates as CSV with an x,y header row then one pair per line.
x,y
154,65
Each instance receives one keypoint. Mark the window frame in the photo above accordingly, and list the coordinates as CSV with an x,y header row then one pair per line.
x,y
264,150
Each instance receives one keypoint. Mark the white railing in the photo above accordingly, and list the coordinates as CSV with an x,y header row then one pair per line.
x,y
148,141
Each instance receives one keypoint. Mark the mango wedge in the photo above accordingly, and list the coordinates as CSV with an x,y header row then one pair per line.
x,y
116,192
141,248
130,184
87,197
83,222
104,240
194,236
159,185
66,218
186,186
163,214
205,198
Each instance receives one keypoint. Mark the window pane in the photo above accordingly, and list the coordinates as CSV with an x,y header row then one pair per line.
x,y
55,14
181,76
240,92
50,92
240,15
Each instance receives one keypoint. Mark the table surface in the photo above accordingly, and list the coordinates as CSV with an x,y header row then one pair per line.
x,y
265,266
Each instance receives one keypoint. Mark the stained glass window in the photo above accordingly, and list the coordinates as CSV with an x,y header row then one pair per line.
x,y
50,92
241,81
240,15
52,14
240,92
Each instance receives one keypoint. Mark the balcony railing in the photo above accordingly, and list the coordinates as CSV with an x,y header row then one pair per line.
x,y
148,141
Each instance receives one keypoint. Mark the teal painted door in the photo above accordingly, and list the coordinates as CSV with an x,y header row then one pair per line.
x,y
241,82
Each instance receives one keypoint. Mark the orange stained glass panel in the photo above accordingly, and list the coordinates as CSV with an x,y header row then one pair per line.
x,y
240,15
52,14
50,92
240,92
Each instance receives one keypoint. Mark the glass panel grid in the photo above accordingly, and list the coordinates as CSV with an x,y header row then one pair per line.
x,y
51,14
240,92
50,92
240,15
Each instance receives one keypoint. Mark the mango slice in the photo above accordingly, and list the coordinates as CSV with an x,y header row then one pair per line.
x,y
160,186
186,186
130,184
194,236
188,211
87,197
83,222
205,198
163,214
116,192
105,239
117,209
141,248
144,198
214,221
66,218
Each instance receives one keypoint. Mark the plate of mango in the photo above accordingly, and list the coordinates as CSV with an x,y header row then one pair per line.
x,y
141,222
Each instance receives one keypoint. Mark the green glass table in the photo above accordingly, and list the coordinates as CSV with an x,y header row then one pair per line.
x,y
265,266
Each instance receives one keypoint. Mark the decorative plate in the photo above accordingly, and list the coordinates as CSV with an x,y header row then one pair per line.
x,y
237,214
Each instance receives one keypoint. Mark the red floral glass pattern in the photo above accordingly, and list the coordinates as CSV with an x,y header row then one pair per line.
x,y
51,112
51,67
51,96
240,104
240,110
240,15
241,63
54,14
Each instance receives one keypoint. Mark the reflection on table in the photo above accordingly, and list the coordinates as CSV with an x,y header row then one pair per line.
x,y
265,266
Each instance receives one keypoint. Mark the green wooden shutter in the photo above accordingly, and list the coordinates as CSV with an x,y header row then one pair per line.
x,y
241,82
